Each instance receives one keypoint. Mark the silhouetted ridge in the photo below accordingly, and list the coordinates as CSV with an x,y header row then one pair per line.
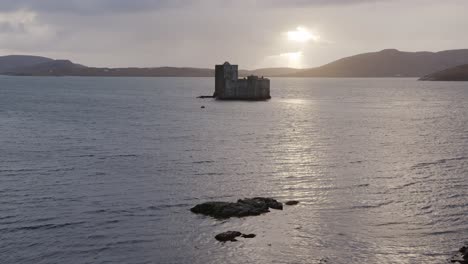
x,y
11,62
50,68
385,63
458,73
388,63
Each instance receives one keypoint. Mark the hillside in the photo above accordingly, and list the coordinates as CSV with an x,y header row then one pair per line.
x,y
49,68
68,68
17,61
149,72
388,63
385,63
459,73
269,72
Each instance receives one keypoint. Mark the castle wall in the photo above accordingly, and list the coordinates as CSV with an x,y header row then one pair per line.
x,y
219,80
229,87
225,74
242,88
254,87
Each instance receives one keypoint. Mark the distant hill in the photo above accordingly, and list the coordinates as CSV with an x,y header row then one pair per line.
x,y
68,68
49,68
269,72
24,65
149,72
458,73
16,61
385,63
388,63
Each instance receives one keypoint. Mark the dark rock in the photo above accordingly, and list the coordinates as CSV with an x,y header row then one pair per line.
x,y
463,250
228,236
457,73
243,207
203,107
248,235
261,202
291,202
205,96
461,258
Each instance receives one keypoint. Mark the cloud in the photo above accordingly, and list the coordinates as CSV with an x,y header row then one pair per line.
x,y
22,29
201,33
90,7
305,3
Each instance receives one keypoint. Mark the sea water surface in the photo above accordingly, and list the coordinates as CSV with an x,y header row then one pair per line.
x,y
105,170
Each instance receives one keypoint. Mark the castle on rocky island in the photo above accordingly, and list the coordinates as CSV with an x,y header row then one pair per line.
x,y
229,87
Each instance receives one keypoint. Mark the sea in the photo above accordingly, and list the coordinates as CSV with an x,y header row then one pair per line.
x,y
105,170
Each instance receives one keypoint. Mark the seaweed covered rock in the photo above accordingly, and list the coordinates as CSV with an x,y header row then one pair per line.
x,y
228,236
232,235
292,202
243,207
462,257
249,235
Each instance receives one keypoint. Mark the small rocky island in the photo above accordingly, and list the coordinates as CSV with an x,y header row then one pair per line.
x,y
229,87
461,257
243,207
459,73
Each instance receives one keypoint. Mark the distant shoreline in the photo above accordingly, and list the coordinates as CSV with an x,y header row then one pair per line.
x,y
388,63
183,76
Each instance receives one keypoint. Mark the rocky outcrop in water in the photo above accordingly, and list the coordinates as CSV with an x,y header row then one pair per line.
x,y
291,202
232,235
228,236
462,257
243,207
248,235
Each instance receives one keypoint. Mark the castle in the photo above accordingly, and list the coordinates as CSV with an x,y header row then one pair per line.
x,y
229,87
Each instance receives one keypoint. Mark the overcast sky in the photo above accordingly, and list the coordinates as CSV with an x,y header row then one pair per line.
x,y
252,33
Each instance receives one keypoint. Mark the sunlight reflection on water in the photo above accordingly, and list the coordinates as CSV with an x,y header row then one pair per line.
x,y
105,170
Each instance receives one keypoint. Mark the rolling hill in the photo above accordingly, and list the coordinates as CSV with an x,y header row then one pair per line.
x,y
385,63
459,73
11,62
269,72
48,68
388,63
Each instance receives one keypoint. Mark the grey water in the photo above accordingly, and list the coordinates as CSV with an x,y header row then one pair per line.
x,y
105,170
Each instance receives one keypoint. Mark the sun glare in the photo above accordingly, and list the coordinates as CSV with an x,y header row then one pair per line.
x,y
293,59
301,34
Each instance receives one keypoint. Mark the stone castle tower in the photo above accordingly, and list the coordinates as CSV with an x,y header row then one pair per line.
x,y
229,87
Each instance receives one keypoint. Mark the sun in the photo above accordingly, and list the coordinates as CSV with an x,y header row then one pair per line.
x,y
301,34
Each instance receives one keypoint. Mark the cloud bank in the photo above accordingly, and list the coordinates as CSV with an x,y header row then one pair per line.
x,y
200,33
